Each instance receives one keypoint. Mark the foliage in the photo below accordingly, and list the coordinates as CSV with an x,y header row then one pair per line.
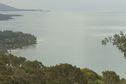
x,y
65,74
110,77
92,77
12,40
18,70
118,40
123,81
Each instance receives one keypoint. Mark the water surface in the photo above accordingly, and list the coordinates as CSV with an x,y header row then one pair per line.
x,y
71,37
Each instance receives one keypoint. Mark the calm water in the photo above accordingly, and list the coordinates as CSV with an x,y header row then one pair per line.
x,y
71,37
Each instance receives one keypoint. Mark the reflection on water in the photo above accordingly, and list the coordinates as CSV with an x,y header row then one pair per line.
x,y
71,37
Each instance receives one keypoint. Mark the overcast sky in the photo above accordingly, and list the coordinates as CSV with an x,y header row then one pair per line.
x,y
104,5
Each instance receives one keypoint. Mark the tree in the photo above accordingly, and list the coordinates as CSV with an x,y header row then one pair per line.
x,y
91,76
110,77
123,81
118,40
64,74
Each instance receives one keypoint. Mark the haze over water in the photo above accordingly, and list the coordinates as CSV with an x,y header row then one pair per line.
x,y
71,37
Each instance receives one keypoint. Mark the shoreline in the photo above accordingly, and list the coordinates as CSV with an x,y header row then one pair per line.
x,y
5,17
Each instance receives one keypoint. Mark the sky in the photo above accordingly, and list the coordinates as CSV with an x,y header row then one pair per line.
x,y
104,5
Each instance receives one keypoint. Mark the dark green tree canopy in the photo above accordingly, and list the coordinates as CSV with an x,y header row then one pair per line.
x,y
110,77
90,74
12,40
18,70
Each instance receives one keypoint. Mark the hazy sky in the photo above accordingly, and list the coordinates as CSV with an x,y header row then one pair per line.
x,y
104,5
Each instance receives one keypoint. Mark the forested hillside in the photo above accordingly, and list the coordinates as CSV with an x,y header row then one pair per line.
x,y
19,70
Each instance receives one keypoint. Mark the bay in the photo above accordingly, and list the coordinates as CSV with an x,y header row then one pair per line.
x,y
72,37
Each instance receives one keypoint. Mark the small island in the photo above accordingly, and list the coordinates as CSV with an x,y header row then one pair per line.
x,y
12,40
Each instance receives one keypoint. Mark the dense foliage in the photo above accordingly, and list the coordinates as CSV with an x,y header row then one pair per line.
x,y
12,40
110,77
19,70
91,76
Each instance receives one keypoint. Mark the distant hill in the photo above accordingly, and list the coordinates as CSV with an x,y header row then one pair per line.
x,y
7,16
4,7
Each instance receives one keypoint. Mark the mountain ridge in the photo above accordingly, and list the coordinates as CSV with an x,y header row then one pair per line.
x,y
4,7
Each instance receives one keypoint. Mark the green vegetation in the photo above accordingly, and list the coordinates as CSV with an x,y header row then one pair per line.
x,y
118,40
91,76
110,77
19,70
12,40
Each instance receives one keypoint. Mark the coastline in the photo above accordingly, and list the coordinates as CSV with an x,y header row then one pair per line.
x,y
4,17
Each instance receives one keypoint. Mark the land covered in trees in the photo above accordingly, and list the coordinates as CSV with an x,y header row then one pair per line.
x,y
7,16
19,70
12,40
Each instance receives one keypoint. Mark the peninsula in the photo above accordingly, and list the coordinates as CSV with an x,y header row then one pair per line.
x,y
7,16
11,40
